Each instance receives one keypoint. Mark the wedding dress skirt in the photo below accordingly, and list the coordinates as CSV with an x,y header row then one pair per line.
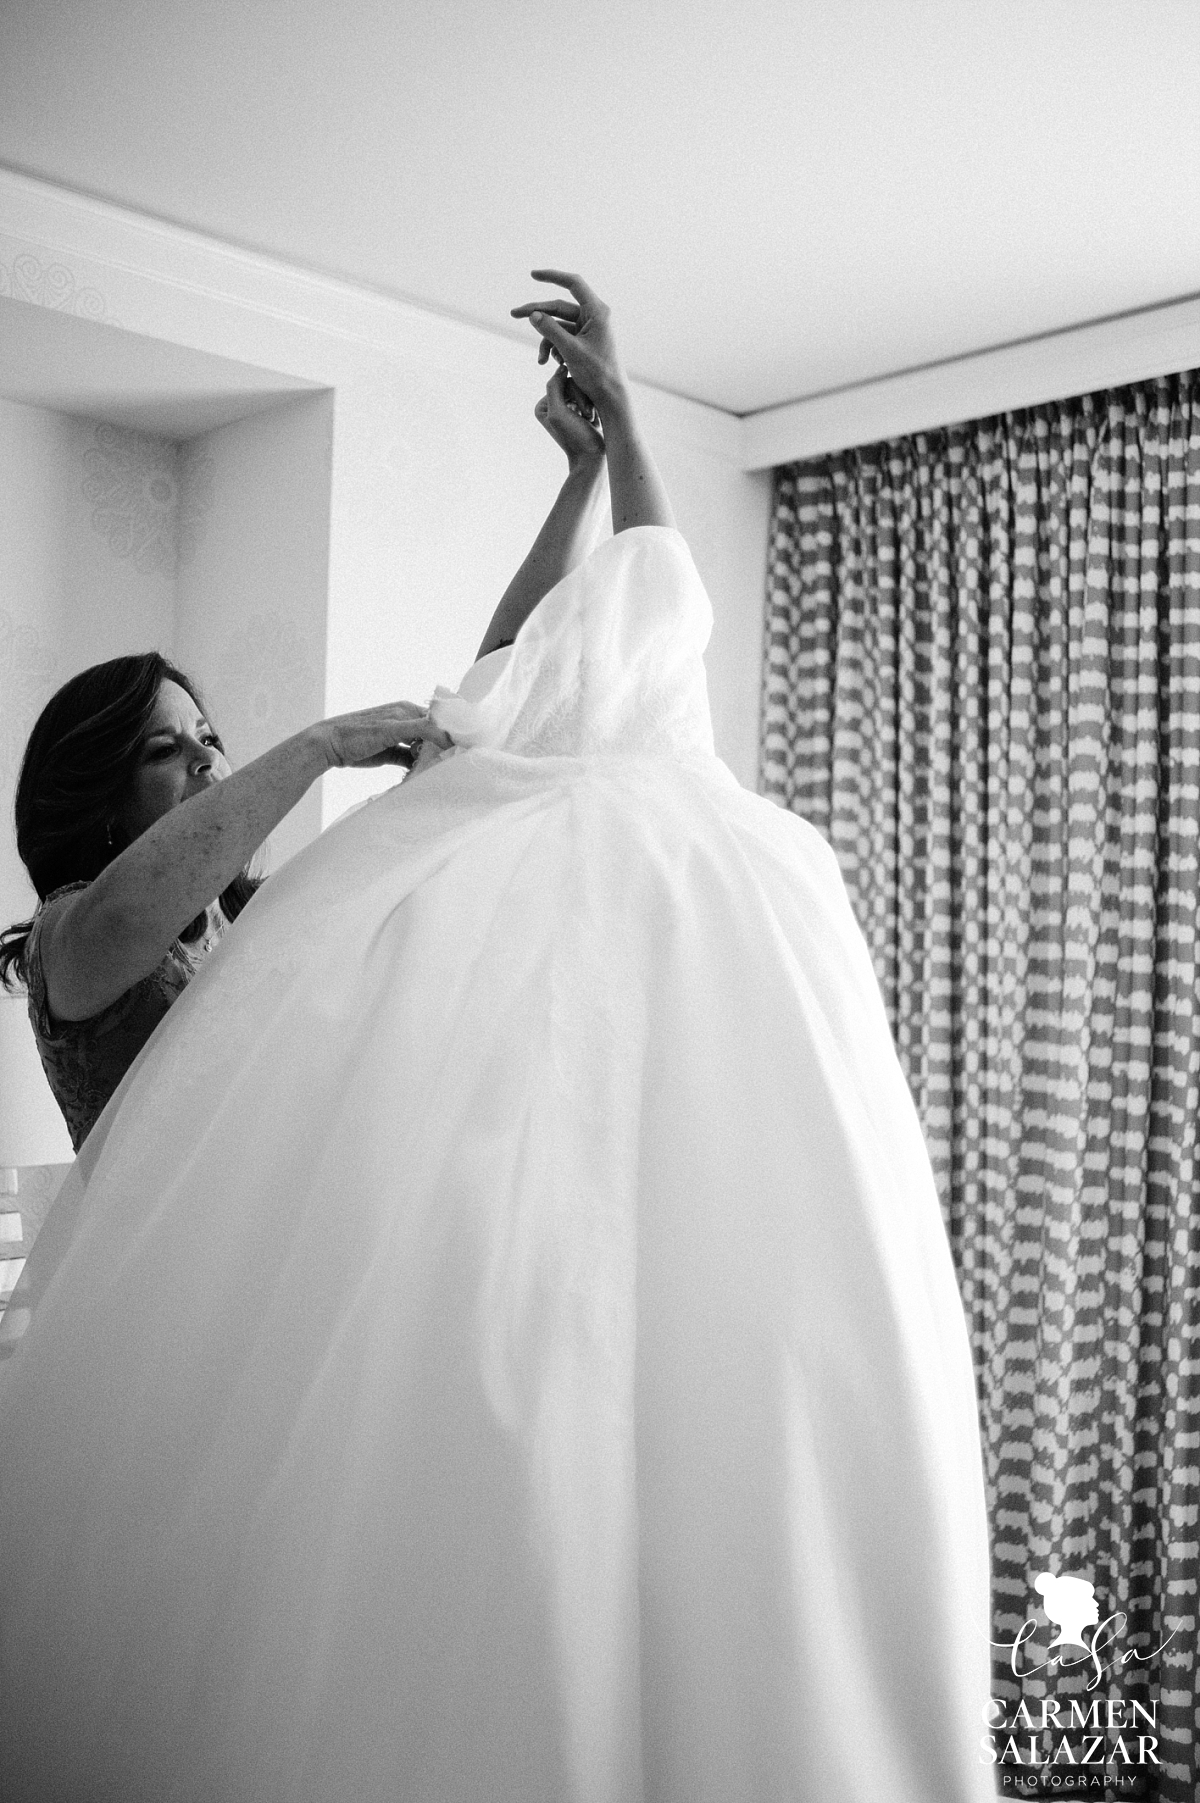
x,y
500,1341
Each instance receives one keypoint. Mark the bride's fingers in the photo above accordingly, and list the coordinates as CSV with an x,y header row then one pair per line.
x,y
575,285
565,396
579,401
558,338
560,309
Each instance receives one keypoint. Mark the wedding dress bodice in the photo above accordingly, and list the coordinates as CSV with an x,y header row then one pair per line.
x,y
612,661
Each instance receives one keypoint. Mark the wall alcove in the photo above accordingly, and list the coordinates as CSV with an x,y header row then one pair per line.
x,y
155,495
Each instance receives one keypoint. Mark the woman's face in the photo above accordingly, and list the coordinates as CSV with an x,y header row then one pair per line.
x,y
180,756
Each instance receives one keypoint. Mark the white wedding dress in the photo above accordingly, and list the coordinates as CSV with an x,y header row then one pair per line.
x,y
500,1341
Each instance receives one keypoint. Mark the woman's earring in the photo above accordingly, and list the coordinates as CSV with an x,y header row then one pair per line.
x,y
109,836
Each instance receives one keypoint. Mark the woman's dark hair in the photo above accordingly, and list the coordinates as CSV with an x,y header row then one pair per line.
x,y
76,773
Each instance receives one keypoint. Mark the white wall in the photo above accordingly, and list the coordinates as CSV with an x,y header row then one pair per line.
x,y
88,522
724,514
253,580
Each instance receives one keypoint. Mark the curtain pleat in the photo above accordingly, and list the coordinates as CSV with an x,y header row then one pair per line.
x,y
982,682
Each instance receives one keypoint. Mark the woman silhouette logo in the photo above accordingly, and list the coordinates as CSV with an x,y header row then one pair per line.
x,y
1071,1604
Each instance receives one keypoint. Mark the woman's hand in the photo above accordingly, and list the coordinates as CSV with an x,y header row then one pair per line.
x,y
110,935
428,751
578,334
567,416
392,734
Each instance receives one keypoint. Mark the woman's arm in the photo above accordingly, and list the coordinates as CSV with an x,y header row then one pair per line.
x,y
578,332
564,537
116,931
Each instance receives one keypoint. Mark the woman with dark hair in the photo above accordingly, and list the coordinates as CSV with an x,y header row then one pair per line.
x,y
134,888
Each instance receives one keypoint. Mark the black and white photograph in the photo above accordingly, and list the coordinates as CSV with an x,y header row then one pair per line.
x,y
599,901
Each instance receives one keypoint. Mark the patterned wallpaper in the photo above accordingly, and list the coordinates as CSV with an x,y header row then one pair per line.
x,y
265,677
150,498
45,283
94,523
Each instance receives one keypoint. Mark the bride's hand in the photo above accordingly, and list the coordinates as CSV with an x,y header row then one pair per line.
x,y
568,416
578,334
393,734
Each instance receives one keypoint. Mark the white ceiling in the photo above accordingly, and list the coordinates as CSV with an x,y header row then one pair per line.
x,y
778,197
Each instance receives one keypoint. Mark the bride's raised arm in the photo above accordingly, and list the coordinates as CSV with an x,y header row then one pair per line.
x,y
563,539
579,333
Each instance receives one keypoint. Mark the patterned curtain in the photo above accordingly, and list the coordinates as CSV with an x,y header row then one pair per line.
x,y
982,683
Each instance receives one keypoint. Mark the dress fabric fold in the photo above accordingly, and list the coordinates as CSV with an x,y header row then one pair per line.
x,y
500,1341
